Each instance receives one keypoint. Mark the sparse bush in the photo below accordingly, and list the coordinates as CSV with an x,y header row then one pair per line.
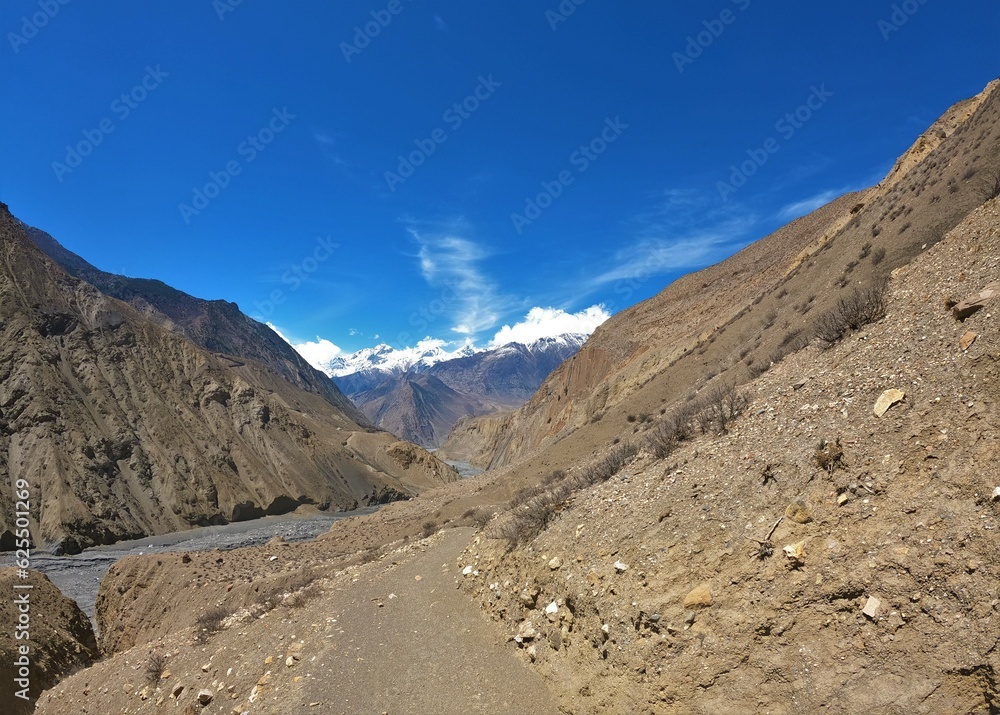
x,y
156,663
630,418
862,307
878,256
209,622
430,528
829,455
865,250
304,596
876,230
989,186
481,517
662,440
770,319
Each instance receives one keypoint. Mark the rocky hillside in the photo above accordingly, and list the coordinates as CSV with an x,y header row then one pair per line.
x,y
736,318
124,428
215,325
834,550
423,401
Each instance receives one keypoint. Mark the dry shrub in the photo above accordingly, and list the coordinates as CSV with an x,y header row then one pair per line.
x,y
862,307
156,663
209,622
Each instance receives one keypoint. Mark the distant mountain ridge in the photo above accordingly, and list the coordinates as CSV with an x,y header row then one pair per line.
x,y
419,395
214,325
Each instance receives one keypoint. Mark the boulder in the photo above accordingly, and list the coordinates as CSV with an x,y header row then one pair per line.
x,y
974,303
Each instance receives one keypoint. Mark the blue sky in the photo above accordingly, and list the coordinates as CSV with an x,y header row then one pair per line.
x,y
413,168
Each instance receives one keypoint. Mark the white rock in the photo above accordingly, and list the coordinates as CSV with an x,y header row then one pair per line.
x,y
552,608
205,696
467,570
871,607
621,567
996,494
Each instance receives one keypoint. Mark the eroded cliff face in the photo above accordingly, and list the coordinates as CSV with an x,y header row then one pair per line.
x,y
735,318
124,428
62,639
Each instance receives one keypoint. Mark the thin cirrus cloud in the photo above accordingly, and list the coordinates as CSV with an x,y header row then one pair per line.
x,y
451,262
666,246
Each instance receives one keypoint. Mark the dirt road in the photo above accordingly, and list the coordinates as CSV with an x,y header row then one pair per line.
x,y
407,641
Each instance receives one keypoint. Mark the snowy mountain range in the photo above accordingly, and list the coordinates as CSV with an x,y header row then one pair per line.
x,y
419,393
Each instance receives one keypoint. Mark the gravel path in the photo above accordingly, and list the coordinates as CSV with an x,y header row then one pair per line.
x,y
407,641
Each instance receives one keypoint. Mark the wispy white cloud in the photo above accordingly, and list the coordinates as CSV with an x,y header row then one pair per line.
x,y
796,209
440,24
683,230
549,322
448,259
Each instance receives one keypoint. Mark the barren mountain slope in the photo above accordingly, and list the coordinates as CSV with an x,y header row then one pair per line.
x,y
216,325
650,593
737,317
419,408
125,429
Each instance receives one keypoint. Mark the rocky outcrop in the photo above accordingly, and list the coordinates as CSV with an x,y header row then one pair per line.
x,y
61,639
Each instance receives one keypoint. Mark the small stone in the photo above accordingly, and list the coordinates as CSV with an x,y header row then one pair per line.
x,y
528,596
555,562
966,341
842,499
887,399
871,607
996,494
418,577
525,632
205,697
799,511
289,661
467,570
699,597
795,553
205,668
621,567
552,609
972,565
176,692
